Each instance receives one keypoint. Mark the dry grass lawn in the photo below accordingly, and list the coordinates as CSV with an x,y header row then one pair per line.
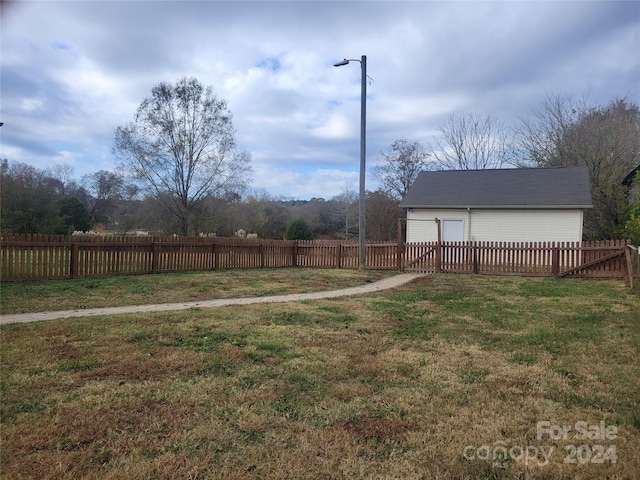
x,y
447,377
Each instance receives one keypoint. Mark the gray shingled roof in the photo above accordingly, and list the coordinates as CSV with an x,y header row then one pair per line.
x,y
504,188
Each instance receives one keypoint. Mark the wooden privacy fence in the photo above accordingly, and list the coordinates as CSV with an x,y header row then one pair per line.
x,y
38,257
26,257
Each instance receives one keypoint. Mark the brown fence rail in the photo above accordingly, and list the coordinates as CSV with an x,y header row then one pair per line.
x,y
39,257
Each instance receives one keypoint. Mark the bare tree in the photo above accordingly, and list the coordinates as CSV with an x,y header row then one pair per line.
x,y
383,212
605,139
347,209
471,141
63,173
106,189
181,147
540,137
401,165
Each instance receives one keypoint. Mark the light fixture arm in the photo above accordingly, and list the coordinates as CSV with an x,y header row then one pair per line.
x,y
346,62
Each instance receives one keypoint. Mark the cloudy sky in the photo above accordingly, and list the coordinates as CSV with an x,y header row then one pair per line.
x,y
71,72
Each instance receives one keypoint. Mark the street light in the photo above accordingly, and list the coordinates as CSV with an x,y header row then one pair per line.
x,y
363,144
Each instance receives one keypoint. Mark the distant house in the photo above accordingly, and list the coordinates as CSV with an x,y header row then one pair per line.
x,y
510,205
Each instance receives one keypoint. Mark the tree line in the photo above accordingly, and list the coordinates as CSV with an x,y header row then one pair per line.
x,y
180,171
41,201
49,201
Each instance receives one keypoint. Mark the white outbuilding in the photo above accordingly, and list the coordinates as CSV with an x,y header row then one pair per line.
x,y
502,205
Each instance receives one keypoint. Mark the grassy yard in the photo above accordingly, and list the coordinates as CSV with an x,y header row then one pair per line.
x,y
451,376
96,292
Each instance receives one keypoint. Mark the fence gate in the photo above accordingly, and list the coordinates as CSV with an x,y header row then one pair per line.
x,y
600,259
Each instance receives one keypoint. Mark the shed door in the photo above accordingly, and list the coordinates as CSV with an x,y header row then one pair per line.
x,y
452,230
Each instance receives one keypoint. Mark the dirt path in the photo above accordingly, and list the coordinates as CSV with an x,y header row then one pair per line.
x,y
384,284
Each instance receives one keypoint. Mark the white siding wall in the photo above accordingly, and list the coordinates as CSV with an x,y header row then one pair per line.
x,y
421,226
499,225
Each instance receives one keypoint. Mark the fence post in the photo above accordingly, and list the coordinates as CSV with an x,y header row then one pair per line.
x,y
439,248
475,258
214,256
555,261
339,255
400,250
74,259
155,256
261,255
294,254
629,255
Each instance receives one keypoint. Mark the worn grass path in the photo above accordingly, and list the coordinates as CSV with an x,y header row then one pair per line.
x,y
384,284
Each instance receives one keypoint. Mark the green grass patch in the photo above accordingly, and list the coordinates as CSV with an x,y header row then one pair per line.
x,y
474,375
207,339
79,364
328,316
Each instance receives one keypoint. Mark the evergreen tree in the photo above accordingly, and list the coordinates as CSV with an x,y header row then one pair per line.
x,y
74,214
299,230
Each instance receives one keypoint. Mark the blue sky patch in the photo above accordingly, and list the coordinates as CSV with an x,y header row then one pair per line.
x,y
60,46
270,63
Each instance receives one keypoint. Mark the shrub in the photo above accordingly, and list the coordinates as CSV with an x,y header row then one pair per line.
x,y
299,230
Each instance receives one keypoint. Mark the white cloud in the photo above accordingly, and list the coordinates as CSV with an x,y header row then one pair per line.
x,y
321,183
73,71
337,127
